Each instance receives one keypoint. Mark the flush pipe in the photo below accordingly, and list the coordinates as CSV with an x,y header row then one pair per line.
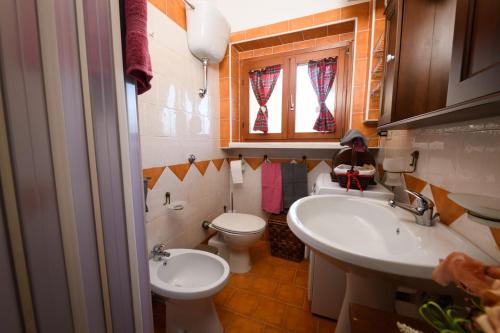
x,y
203,91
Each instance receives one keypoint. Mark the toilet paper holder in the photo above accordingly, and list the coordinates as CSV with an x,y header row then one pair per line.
x,y
414,160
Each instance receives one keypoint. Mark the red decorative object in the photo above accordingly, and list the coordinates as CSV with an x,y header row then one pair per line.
x,y
263,82
353,175
137,60
358,145
322,74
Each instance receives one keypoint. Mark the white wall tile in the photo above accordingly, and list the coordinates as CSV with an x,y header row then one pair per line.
x,y
175,122
460,157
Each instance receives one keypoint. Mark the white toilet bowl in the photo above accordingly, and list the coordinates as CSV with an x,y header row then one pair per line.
x,y
239,232
188,279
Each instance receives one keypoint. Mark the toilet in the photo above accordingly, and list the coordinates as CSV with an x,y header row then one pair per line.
x,y
236,233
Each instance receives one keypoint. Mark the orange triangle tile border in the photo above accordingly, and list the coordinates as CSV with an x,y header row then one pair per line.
x,y
414,184
218,163
329,162
202,166
496,236
449,211
180,170
311,164
153,174
254,162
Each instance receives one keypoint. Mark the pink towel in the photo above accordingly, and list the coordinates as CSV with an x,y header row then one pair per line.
x,y
272,194
137,61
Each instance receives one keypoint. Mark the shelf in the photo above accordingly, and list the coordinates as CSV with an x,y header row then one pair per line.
x,y
376,91
378,70
370,121
285,145
476,109
378,50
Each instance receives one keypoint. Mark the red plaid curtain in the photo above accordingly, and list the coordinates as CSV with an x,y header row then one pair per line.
x,y
322,74
263,82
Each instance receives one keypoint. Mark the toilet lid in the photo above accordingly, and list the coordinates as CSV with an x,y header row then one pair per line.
x,y
239,223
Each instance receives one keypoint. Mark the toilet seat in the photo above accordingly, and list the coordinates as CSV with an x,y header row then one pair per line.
x,y
238,224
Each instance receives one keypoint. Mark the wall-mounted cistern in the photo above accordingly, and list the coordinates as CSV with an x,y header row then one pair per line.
x,y
208,35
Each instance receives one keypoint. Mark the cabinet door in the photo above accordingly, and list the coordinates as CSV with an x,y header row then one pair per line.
x,y
393,15
475,65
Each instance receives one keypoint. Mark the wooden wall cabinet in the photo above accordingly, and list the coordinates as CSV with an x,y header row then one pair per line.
x,y
418,56
447,62
475,65
393,15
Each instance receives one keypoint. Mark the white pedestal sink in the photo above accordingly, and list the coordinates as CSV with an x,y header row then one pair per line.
x,y
378,246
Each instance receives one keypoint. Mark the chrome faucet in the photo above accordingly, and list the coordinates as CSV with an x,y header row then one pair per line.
x,y
160,252
423,208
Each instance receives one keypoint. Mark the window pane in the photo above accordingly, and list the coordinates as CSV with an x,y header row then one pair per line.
x,y
274,107
306,101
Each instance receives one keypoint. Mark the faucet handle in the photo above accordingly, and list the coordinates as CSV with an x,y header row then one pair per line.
x,y
159,248
423,202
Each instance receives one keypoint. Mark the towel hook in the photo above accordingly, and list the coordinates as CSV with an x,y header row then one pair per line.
x,y
240,156
167,199
304,158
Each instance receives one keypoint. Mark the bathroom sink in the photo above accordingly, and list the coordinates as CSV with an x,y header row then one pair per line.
x,y
380,248
188,274
370,234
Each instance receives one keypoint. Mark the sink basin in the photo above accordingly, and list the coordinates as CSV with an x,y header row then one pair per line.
x,y
188,274
188,279
371,234
379,247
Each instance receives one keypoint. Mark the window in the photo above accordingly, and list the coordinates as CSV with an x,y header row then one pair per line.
x,y
289,106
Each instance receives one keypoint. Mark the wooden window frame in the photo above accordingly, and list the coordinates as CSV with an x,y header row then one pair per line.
x,y
289,61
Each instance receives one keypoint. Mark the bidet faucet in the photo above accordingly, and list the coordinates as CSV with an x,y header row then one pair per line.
x,y
160,252
423,208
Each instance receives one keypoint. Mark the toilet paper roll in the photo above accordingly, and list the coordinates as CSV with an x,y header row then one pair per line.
x,y
237,171
394,164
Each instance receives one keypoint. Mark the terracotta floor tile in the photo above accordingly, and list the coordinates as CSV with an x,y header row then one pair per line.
x,y
243,325
301,278
265,286
307,306
269,329
262,268
326,326
283,274
222,296
242,281
304,265
286,263
270,311
225,317
291,294
300,321
242,302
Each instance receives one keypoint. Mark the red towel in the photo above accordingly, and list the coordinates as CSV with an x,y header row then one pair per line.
x,y
137,61
272,194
